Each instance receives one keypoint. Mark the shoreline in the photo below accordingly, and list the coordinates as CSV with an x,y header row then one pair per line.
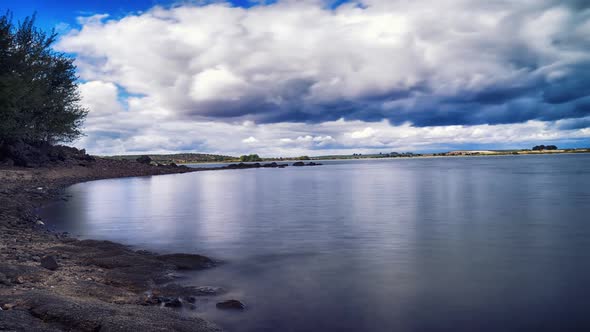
x,y
423,156
50,281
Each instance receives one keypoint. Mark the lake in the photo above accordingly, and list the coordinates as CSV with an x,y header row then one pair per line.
x,y
424,244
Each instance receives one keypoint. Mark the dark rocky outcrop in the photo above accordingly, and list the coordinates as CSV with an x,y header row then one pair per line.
x,y
300,164
187,261
255,165
230,305
54,312
41,154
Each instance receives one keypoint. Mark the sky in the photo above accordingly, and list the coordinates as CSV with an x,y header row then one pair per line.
x,y
317,77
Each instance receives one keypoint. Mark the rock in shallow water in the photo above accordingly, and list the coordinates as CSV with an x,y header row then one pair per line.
x,y
49,263
230,305
173,303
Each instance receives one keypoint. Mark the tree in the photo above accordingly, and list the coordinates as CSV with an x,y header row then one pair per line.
x,y
39,98
543,147
249,158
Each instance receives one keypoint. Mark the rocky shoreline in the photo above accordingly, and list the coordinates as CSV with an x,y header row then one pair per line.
x,y
52,282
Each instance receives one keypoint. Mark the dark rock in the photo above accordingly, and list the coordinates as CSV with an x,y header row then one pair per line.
x,y
301,163
37,153
187,261
4,279
95,315
8,162
172,165
21,320
242,166
173,303
49,263
144,160
230,305
13,271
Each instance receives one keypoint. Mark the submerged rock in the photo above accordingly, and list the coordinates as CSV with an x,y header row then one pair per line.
x,y
49,263
209,290
173,303
230,305
187,261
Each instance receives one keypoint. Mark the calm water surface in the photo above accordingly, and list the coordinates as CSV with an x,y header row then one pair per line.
x,y
440,244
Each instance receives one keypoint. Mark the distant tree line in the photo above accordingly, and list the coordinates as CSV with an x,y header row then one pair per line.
x,y
249,158
544,147
39,98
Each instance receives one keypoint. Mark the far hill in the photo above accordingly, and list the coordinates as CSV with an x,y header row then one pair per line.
x,y
181,158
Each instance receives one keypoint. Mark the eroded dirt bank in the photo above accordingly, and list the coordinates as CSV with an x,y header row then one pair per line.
x,y
51,282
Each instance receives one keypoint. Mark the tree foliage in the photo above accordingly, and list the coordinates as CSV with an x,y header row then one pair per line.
x,y
39,98
248,158
544,147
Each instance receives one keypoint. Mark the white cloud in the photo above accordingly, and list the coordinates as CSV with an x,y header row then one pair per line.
x,y
205,77
100,98
250,139
365,133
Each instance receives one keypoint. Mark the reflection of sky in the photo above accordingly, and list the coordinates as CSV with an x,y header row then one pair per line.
x,y
370,245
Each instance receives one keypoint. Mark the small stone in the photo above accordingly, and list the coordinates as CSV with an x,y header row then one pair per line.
x,y
230,305
39,222
49,263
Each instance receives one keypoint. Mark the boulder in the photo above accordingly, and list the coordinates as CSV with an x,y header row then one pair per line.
x,y
49,263
173,303
298,164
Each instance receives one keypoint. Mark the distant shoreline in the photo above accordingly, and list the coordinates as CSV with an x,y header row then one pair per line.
x,y
427,155
209,159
